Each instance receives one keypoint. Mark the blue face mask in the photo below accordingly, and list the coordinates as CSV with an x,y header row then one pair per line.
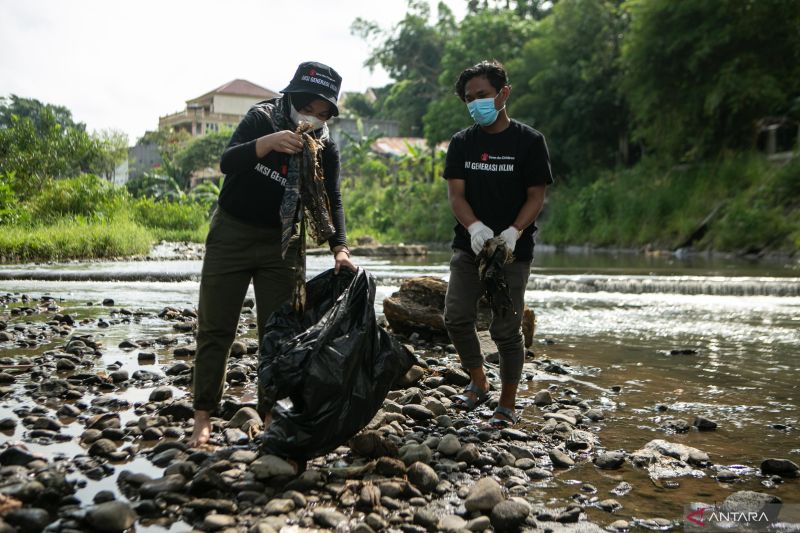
x,y
483,112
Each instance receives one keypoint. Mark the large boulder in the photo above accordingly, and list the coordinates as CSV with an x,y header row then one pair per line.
x,y
418,307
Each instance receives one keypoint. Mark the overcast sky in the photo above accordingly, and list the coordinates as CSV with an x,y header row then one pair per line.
x,y
120,65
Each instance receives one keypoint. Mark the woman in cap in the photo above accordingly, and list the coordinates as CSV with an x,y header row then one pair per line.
x,y
248,239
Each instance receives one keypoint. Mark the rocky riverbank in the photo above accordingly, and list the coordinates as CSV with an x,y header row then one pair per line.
x,y
94,440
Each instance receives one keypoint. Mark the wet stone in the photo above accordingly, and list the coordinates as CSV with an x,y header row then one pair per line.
x,y
160,394
328,517
111,516
484,495
509,515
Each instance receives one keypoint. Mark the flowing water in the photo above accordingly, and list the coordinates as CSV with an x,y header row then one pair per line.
x,y
680,337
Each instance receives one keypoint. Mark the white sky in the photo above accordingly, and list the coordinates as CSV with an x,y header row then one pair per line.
x,y
120,65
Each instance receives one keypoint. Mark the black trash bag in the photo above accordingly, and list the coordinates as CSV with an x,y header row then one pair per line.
x,y
334,362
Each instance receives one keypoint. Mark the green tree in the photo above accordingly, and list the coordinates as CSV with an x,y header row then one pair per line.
x,y
411,53
41,114
31,153
111,150
200,153
699,75
488,34
567,85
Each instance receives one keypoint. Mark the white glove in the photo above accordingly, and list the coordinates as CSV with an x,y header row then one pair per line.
x,y
510,236
479,233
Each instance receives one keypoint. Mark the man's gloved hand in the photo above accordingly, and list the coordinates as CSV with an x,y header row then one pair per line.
x,y
479,234
510,236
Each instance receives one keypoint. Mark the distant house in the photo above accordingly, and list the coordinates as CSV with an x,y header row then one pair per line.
x,y
224,107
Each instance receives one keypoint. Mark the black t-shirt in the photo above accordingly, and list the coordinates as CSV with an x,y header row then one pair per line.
x,y
497,169
253,187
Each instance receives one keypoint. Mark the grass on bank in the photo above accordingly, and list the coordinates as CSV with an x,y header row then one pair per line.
x,y
752,205
88,218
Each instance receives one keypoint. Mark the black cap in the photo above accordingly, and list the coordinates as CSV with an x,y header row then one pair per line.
x,y
318,79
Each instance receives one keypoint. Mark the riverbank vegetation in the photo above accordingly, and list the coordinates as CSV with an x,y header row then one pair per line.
x,y
670,125
659,116
57,200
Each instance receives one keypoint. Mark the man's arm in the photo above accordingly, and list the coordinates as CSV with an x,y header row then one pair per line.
x,y
456,193
531,208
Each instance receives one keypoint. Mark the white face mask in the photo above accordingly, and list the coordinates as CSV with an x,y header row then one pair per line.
x,y
298,117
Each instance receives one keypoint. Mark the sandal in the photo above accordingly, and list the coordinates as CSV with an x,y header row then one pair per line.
x,y
510,417
466,401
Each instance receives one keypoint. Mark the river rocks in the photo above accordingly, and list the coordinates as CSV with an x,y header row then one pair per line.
x,y
111,516
28,520
326,517
509,515
168,483
417,306
422,476
560,459
412,453
747,501
449,445
16,456
781,467
270,466
483,495
543,397
417,412
160,394
609,460
704,424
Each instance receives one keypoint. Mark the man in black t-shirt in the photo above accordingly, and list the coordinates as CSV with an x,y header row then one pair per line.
x,y
497,171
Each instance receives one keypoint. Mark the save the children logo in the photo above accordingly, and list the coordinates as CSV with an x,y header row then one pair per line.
x,y
313,72
484,156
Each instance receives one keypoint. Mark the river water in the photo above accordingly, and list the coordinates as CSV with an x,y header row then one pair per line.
x,y
681,337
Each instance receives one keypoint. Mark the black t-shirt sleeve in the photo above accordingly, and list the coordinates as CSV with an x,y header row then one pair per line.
x,y
330,167
536,166
240,154
454,161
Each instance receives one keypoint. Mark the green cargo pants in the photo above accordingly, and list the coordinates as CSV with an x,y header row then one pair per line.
x,y
236,254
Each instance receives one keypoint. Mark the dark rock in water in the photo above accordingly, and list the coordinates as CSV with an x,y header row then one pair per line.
x,y
146,375
128,344
423,477
179,411
609,460
170,483
238,349
104,421
609,505
244,417
65,365
104,496
54,388
543,397
28,520
177,369
68,411
683,351
560,459
185,351
160,394
570,516
326,517
8,424
509,515
102,448
16,456
513,434
111,516
781,467
146,357
119,376
556,369
108,302
704,424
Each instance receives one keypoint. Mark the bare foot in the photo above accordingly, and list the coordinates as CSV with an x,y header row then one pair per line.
x,y
202,429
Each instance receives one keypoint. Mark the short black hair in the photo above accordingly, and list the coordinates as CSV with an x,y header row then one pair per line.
x,y
494,71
